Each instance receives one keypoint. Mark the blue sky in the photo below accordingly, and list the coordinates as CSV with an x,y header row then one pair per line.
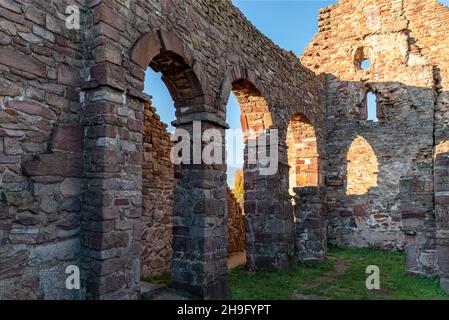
x,y
291,24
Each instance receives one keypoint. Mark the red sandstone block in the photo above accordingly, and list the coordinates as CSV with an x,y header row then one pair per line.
x,y
442,200
102,131
32,108
11,5
72,94
41,50
35,15
68,76
108,70
17,60
121,202
9,15
68,138
135,125
56,164
105,14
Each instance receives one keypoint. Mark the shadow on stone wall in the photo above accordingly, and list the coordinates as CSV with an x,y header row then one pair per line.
x,y
396,211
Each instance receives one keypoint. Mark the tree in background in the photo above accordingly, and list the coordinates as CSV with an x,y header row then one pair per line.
x,y
238,186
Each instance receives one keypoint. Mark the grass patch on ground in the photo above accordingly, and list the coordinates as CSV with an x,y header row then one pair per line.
x,y
342,276
162,279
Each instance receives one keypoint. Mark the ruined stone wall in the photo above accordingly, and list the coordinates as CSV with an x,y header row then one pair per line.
x,y
311,224
157,193
72,141
429,24
75,184
41,150
220,48
236,224
367,159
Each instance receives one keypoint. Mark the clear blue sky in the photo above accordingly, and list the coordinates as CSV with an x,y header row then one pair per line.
x,y
290,24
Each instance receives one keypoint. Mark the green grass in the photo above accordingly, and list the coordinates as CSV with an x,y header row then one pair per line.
x,y
162,279
323,281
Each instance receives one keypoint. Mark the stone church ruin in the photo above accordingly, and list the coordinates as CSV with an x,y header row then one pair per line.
x,y
85,173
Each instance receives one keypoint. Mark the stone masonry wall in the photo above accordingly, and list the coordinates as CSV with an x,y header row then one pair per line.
x,y
72,141
367,159
41,149
73,175
310,224
220,51
157,192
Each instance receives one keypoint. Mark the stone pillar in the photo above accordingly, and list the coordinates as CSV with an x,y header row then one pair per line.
x,y
112,203
416,205
311,229
269,220
442,216
199,263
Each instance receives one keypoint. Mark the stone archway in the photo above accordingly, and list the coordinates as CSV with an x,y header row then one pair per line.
x,y
269,229
305,187
303,157
113,227
199,246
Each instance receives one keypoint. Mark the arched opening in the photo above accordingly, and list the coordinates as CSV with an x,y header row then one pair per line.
x,y
302,151
180,79
198,259
371,107
265,247
235,197
362,167
248,116
361,59
304,187
157,181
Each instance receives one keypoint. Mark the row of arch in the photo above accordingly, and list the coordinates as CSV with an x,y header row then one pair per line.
x,y
184,79
188,87
199,246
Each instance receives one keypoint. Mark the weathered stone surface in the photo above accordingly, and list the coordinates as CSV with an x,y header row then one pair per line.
x,y
68,137
157,196
17,60
8,88
68,75
71,187
35,15
63,251
58,164
32,108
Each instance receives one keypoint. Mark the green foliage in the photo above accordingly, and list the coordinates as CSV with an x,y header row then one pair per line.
x,y
162,279
238,186
332,281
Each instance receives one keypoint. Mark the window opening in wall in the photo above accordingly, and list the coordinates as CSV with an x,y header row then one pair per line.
x,y
235,198
371,105
157,180
365,64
